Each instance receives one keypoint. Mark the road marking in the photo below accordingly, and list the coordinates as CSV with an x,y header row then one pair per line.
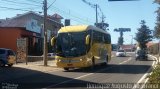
x,y
86,74
144,76
126,61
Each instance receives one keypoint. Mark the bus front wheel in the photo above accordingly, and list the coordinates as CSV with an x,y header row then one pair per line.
x,y
106,60
2,63
66,69
93,62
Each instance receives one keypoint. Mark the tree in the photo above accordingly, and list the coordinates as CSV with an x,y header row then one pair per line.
x,y
121,31
157,27
144,35
120,41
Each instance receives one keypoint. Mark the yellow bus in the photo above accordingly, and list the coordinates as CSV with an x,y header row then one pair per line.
x,y
81,46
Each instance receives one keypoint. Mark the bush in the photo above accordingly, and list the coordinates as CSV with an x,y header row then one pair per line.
x,y
155,76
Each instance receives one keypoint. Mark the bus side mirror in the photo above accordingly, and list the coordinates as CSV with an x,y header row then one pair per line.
x,y
87,39
53,40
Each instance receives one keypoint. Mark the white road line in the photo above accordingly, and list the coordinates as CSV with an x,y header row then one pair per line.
x,y
86,74
144,76
126,61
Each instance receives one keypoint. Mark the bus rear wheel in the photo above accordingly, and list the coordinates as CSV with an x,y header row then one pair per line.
x,y
106,60
66,69
105,63
93,62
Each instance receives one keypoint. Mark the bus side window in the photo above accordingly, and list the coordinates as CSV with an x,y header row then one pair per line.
x,y
107,39
103,38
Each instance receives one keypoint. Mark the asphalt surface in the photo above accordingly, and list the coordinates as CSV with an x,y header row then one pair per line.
x,y
120,70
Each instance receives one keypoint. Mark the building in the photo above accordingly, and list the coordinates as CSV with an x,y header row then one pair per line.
x,y
128,48
29,25
9,36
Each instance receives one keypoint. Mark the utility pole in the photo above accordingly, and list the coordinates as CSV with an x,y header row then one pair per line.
x,y
103,17
95,6
45,48
96,14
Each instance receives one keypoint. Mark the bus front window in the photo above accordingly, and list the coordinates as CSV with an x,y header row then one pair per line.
x,y
71,44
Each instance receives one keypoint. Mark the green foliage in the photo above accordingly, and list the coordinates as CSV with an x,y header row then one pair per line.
x,y
157,27
120,41
157,1
155,76
121,30
144,35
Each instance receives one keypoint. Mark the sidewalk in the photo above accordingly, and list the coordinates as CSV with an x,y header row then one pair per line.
x,y
38,66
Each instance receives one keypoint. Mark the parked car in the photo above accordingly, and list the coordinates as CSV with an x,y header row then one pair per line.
x,y
121,53
141,55
51,54
7,57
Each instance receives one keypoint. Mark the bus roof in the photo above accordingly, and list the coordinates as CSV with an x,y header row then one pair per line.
x,y
79,28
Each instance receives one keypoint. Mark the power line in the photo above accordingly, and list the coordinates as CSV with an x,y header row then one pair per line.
x,y
51,4
95,6
33,1
81,19
90,4
21,3
15,9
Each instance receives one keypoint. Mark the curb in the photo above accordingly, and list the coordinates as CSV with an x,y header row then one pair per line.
x,y
153,66
38,66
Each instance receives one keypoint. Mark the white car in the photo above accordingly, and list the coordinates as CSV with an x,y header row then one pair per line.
x,y
121,53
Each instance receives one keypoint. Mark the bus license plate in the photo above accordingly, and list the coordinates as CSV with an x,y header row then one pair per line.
x,y
69,64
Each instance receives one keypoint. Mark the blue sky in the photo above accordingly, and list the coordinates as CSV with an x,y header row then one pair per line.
x,y
126,14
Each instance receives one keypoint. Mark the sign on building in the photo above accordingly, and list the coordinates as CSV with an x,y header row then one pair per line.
x,y
22,50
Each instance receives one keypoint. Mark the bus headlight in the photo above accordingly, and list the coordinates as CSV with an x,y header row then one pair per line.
x,y
81,60
59,60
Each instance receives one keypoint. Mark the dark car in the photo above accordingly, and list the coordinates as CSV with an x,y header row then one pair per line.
x,y
141,55
7,57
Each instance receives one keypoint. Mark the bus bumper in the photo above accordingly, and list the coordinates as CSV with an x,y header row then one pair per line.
x,y
77,64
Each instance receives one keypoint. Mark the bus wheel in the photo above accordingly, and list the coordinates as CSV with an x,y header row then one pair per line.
x,y
10,65
106,60
93,62
66,69
2,63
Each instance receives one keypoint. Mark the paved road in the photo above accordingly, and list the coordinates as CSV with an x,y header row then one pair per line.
x,y
119,70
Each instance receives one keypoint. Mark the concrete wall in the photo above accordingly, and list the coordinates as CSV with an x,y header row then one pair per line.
x,y
37,58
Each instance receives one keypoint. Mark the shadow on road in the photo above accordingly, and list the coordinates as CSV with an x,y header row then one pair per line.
x,y
113,68
20,78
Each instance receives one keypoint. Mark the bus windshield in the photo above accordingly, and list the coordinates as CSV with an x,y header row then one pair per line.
x,y
71,44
